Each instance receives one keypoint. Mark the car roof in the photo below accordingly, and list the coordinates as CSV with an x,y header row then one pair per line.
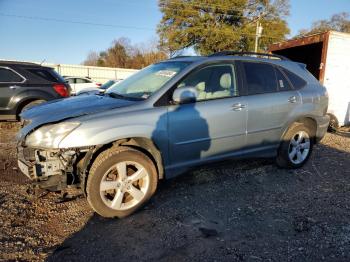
x,y
204,59
22,64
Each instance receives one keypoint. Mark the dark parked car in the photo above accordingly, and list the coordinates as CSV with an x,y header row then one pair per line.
x,y
23,85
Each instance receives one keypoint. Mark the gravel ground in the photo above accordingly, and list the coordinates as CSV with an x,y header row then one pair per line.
x,y
230,211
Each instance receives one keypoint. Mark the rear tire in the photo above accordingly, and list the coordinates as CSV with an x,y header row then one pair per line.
x,y
296,147
333,123
120,181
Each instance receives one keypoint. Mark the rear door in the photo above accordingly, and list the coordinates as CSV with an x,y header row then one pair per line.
x,y
271,99
10,84
213,126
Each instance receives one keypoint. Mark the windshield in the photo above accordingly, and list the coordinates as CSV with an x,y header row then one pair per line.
x,y
147,81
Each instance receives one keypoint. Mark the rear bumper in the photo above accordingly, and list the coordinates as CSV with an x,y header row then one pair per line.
x,y
322,127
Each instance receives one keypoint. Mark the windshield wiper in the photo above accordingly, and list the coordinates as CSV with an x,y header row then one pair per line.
x,y
117,95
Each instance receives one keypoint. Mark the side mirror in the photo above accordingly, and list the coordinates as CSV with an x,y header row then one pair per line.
x,y
185,95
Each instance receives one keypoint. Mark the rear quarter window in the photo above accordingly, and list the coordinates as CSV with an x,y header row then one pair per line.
x,y
282,82
295,80
45,74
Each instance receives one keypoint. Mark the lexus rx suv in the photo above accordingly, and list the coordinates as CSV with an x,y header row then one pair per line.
x,y
23,85
168,118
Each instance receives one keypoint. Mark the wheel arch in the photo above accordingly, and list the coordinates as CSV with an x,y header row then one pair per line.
x,y
143,144
24,98
308,121
25,102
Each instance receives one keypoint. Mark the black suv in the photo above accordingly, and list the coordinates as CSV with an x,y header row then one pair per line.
x,y
23,85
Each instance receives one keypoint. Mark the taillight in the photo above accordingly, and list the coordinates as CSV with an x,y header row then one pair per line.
x,y
99,84
61,89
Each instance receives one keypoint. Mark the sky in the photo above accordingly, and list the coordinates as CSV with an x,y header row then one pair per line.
x,y
28,32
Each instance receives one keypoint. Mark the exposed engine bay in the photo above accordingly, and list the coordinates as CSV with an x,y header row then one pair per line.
x,y
51,169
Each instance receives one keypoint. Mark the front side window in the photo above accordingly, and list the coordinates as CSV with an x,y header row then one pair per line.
x,y
8,76
212,82
260,78
149,80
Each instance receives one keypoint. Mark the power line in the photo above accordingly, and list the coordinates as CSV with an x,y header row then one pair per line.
x,y
75,22
217,6
106,25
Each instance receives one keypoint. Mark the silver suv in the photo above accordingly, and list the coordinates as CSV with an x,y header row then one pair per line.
x,y
169,117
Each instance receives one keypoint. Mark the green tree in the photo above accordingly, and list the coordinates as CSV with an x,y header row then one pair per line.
x,y
215,25
338,22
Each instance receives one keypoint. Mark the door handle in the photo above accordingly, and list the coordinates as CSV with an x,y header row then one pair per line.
x,y
237,107
292,99
14,87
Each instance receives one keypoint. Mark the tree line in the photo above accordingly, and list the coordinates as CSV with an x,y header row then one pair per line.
x,y
208,26
123,54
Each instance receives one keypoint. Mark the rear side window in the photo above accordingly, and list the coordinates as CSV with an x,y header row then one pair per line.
x,y
82,81
296,81
282,82
260,78
42,73
71,80
8,76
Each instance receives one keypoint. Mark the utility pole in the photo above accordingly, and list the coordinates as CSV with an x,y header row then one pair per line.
x,y
258,33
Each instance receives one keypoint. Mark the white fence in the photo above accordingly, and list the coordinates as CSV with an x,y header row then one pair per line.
x,y
99,74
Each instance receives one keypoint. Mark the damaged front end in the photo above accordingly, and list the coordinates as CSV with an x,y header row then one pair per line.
x,y
51,169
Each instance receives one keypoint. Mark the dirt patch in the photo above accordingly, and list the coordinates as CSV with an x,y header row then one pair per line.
x,y
230,211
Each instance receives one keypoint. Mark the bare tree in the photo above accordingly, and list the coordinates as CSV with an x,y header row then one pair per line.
x,y
126,55
91,59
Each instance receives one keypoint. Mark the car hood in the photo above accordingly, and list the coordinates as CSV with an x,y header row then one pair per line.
x,y
62,109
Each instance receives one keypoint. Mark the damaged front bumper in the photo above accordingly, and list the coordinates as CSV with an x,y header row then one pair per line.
x,y
51,169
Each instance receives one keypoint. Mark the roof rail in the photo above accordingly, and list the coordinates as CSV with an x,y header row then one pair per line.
x,y
237,53
180,56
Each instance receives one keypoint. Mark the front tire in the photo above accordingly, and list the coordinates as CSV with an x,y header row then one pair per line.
x,y
120,181
296,147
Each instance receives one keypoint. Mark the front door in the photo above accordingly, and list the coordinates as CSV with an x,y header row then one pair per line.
x,y
213,126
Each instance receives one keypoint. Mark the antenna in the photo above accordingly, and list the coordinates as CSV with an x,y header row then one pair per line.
x,y
42,62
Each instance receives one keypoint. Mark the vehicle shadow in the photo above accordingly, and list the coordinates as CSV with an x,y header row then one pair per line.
x,y
232,211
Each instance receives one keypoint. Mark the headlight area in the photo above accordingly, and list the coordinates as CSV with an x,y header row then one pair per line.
x,y
51,169
50,136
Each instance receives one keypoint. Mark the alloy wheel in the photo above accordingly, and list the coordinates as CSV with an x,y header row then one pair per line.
x,y
299,147
124,185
